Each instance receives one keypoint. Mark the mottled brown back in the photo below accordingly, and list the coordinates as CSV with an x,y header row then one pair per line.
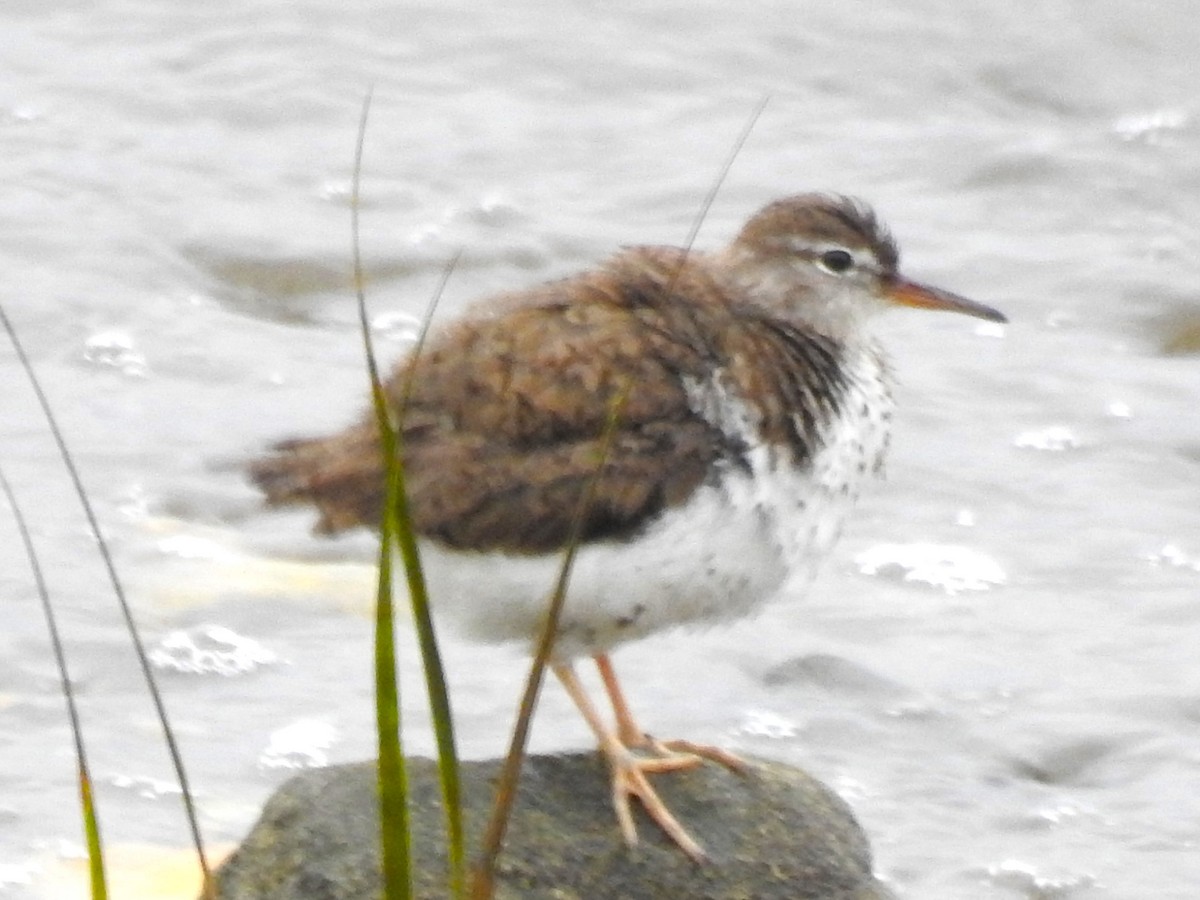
x,y
508,405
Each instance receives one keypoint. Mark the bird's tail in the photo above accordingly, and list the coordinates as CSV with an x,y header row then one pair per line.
x,y
342,475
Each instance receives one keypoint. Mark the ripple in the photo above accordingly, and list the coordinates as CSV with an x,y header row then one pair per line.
x,y
1061,813
1150,127
115,350
13,874
1069,762
990,329
336,189
1171,555
497,209
190,546
145,787
949,567
1119,409
1024,878
831,673
300,745
397,326
211,650
766,724
1053,439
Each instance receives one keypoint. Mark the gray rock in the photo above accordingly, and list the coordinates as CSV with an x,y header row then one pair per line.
x,y
773,833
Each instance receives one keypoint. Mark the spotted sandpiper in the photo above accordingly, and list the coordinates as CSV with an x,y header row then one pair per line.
x,y
755,404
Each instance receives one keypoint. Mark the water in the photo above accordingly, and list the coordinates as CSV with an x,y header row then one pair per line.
x,y
997,668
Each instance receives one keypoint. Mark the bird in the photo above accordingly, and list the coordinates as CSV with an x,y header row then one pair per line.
x,y
724,407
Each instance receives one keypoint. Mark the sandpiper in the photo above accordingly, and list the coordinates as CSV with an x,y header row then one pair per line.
x,y
755,405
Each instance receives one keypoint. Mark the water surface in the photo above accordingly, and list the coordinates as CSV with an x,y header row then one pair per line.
x,y
997,668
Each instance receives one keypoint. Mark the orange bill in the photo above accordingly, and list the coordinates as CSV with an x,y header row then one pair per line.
x,y
903,292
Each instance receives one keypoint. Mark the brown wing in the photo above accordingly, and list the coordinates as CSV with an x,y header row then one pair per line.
x,y
503,427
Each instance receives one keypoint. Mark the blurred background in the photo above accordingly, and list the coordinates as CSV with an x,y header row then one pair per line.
x,y
997,669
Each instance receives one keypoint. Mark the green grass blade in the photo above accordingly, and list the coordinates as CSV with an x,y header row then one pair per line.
x,y
395,831
431,660
397,534
135,637
439,698
395,839
91,830
91,826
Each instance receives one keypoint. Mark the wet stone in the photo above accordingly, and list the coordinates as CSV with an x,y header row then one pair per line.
x,y
772,833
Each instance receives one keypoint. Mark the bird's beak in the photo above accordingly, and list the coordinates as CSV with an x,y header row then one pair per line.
x,y
903,292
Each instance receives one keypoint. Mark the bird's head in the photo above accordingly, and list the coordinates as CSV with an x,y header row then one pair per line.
x,y
827,260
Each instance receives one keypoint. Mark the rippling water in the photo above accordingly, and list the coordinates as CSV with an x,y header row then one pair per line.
x,y
998,667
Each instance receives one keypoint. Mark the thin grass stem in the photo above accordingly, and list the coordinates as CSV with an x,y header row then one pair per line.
x,y
395,838
484,870
160,708
91,825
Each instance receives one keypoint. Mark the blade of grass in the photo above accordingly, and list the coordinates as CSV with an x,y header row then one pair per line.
x,y
484,870
395,834
431,661
711,196
160,708
395,839
91,826
397,533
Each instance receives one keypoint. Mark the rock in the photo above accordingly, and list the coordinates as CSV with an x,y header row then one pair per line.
x,y
772,833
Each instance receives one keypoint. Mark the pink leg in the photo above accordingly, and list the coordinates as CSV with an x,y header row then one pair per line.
x,y
633,736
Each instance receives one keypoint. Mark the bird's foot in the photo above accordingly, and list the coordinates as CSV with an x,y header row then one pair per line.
x,y
630,768
629,779
681,748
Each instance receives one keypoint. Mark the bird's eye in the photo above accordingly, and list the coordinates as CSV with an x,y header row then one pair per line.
x,y
836,261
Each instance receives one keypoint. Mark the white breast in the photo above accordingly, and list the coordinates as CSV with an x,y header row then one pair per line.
x,y
803,509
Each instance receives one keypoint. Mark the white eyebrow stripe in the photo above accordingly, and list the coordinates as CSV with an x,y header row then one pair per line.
x,y
863,259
